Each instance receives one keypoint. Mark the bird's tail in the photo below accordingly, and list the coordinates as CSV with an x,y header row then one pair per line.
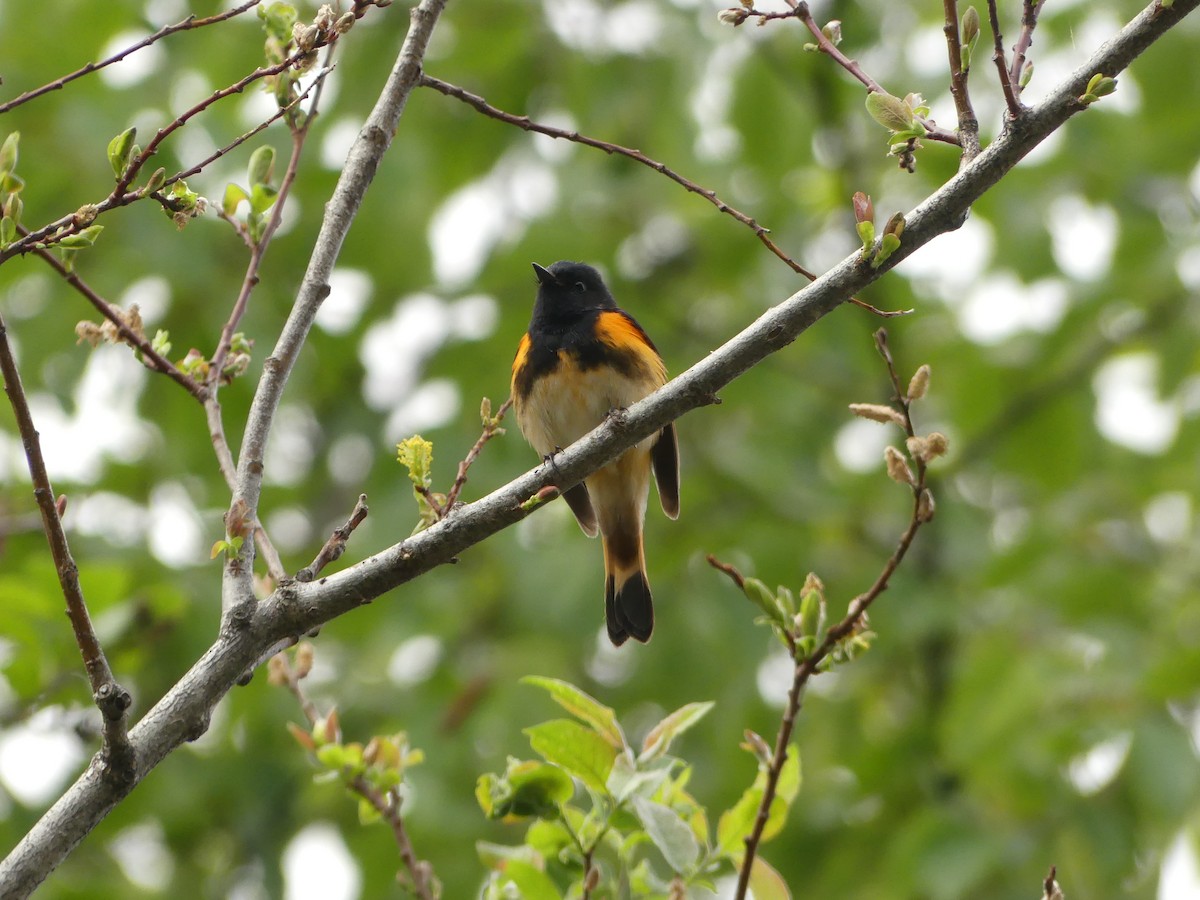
x,y
628,608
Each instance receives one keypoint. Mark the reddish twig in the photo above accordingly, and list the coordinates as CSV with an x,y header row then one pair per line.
x,y
491,428
189,24
527,124
968,122
1007,83
151,358
387,804
258,249
933,131
1030,11
111,699
121,195
336,545
241,139
807,666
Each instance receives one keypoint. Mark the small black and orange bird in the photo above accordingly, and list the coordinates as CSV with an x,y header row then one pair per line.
x,y
581,358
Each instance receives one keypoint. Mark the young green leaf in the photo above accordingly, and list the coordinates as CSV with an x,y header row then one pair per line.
x,y
624,781
890,112
577,749
661,735
262,197
531,882
766,883
8,152
120,150
82,239
737,822
526,789
234,194
670,834
261,167
584,707
785,792
416,454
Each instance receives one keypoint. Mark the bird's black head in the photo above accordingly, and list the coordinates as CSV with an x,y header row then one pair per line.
x,y
567,290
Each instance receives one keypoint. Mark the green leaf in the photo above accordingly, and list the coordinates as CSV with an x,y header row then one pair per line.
x,y
584,707
262,197
8,231
261,166
8,152
532,882
625,781
737,822
234,194
416,454
786,790
766,883
529,788
670,834
661,735
157,179
120,150
367,813
760,595
890,112
82,239
888,245
578,749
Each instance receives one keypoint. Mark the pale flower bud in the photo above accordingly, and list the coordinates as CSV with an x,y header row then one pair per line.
x,y
897,467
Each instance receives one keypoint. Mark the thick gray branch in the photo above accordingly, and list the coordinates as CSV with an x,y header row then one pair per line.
x,y
294,608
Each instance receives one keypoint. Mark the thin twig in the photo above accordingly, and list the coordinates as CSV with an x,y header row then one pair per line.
x,y
336,545
189,24
121,195
1007,84
491,428
968,122
528,124
807,666
257,250
387,804
151,358
241,139
111,699
933,131
259,247
1030,11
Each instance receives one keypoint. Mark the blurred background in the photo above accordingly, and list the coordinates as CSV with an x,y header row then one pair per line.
x,y
1033,696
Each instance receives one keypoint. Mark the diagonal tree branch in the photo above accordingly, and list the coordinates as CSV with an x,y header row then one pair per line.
x,y
189,24
116,758
183,713
361,164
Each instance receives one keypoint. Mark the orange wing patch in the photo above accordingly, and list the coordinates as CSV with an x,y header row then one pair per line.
x,y
519,362
626,338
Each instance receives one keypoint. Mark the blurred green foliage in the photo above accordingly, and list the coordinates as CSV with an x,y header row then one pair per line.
x,y
1049,609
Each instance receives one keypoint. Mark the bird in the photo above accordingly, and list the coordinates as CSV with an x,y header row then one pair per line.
x,y
583,357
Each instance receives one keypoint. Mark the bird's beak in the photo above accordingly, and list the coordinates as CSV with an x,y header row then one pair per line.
x,y
544,276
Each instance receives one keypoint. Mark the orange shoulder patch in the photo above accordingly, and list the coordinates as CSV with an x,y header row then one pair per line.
x,y
624,336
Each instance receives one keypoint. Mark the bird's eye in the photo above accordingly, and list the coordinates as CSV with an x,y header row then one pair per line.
x,y
579,287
